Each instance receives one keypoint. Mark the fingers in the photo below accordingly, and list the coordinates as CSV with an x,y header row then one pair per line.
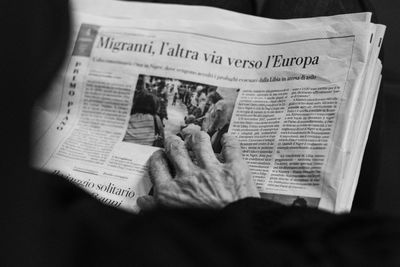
x,y
200,144
253,191
178,155
146,202
231,149
158,168
189,130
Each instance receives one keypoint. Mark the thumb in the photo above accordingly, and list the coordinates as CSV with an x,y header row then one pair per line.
x,y
146,203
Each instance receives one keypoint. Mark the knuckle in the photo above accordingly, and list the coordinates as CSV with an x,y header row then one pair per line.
x,y
178,144
238,170
173,143
197,139
201,136
156,157
227,138
230,141
164,188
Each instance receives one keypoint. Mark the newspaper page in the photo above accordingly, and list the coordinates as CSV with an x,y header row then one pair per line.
x,y
364,110
129,83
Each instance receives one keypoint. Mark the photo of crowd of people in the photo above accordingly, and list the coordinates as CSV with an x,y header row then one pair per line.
x,y
165,106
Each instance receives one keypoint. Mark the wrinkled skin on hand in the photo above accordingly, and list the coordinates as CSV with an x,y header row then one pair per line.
x,y
203,181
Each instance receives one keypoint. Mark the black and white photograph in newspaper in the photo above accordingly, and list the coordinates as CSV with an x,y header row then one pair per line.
x,y
165,106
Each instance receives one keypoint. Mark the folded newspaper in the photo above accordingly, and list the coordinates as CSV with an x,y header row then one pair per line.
x,y
299,95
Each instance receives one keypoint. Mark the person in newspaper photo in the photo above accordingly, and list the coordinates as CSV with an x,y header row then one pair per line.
x,y
217,119
202,213
145,126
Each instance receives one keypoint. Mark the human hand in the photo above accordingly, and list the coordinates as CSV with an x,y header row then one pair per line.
x,y
204,182
189,130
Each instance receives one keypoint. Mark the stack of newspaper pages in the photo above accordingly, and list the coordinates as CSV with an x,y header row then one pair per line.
x,y
299,94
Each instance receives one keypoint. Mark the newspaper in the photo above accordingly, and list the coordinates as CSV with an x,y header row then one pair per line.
x,y
298,94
